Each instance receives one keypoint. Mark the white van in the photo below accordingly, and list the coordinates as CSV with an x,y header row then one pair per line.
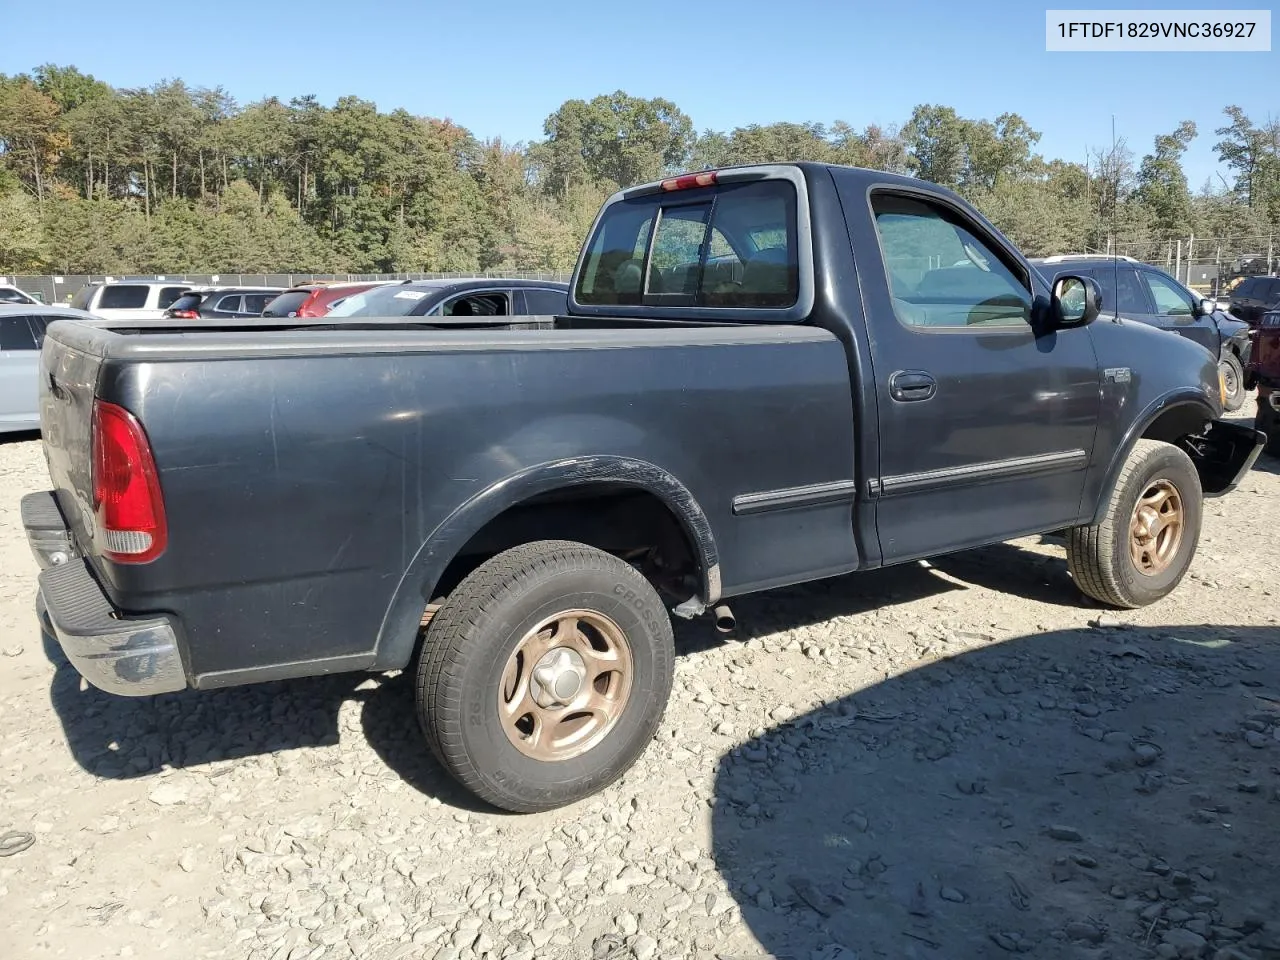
x,y
129,299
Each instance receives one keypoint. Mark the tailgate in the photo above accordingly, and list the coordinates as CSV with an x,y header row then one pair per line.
x,y
68,381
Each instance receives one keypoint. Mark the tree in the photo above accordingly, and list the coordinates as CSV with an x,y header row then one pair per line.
x,y
936,140
1162,185
67,86
22,246
29,132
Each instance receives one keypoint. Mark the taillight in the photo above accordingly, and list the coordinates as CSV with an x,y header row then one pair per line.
x,y
128,508
185,314
690,180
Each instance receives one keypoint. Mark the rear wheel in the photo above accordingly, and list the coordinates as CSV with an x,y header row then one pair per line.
x,y
1233,380
544,675
1146,541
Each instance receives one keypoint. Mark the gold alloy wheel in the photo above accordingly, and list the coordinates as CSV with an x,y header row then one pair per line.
x,y
565,685
1155,529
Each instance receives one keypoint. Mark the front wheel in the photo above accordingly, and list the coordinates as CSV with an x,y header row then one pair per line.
x,y
1146,541
1233,379
544,675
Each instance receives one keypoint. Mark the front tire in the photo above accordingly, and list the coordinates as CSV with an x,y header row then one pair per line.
x,y
1233,378
1146,541
544,675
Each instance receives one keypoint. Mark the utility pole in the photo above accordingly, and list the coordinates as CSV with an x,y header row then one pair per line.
x,y
1191,246
1177,263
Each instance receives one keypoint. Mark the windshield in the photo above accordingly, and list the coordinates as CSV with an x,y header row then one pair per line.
x,y
393,301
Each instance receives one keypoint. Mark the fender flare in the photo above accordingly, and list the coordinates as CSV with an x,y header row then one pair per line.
x,y
398,631
1180,397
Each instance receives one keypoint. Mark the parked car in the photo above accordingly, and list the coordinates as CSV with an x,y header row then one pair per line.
x,y
1265,368
483,297
10,294
22,328
543,496
314,299
222,302
1254,297
128,299
1132,290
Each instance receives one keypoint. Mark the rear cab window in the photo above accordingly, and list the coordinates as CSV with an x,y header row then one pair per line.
x,y
735,244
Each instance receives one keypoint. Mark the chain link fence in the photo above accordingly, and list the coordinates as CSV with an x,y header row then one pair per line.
x,y
61,288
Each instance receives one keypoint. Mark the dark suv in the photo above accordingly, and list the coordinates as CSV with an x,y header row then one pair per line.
x,y
1132,290
1254,297
222,303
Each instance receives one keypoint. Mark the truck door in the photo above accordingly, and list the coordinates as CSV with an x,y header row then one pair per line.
x,y
1175,311
986,418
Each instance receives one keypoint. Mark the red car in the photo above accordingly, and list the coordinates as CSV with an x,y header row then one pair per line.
x,y
313,299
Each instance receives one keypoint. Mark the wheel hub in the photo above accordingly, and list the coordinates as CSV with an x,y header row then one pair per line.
x,y
1155,528
558,677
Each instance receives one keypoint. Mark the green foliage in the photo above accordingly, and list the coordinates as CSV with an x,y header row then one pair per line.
x,y
169,178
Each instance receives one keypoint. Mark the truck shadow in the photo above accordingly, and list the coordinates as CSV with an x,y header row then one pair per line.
x,y
1081,794
124,738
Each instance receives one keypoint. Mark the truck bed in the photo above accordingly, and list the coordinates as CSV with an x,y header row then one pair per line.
x,y
338,455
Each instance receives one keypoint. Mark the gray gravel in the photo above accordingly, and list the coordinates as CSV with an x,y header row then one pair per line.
x,y
954,759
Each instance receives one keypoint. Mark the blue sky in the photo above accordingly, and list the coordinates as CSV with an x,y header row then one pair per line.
x,y
500,67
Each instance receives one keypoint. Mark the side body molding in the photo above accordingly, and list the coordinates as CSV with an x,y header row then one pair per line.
x,y
397,634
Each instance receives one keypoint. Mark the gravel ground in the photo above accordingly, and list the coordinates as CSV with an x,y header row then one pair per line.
x,y
960,759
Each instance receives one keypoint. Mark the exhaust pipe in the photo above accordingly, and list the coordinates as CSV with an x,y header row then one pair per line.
x,y
726,622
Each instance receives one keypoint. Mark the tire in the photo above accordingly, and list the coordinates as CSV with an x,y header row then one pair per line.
x,y
1233,376
1099,555
1267,421
468,667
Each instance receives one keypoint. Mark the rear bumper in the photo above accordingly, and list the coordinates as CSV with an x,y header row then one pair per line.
x,y
129,656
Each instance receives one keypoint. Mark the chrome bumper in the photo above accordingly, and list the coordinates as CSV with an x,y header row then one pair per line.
x,y
132,657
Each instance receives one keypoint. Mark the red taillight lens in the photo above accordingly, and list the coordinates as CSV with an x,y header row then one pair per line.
x,y
690,180
186,315
128,507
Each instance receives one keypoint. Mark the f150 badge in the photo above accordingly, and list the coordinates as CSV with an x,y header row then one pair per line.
x,y
1117,374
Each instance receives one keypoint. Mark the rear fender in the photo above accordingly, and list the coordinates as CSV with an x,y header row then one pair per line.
x,y
398,633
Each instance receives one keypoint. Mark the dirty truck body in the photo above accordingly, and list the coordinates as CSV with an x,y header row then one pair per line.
x,y
767,375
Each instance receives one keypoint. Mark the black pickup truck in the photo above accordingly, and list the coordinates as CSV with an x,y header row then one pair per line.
x,y
766,375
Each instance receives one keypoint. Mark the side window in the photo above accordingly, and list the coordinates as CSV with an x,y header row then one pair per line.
x,y
1271,293
1247,288
545,302
477,305
229,304
1170,300
941,276
168,295
124,297
1131,298
256,302
15,334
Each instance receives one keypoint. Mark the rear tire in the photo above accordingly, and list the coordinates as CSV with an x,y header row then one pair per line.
x,y
527,740
1233,377
1147,539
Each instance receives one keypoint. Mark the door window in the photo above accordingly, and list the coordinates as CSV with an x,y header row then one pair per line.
x,y
477,305
1171,300
168,295
1121,289
123,297
941,275
257,302
230,304
545,302
15,334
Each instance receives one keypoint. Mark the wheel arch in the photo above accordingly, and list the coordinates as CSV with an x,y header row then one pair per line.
x,y
398,632
1170,417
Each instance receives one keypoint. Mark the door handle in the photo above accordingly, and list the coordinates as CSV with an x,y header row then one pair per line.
x,y
907,385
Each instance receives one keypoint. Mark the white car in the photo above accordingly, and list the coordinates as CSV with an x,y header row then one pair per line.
x,y
129,299
21,336
9,294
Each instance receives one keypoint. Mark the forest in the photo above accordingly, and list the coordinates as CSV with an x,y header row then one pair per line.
x,y
170,178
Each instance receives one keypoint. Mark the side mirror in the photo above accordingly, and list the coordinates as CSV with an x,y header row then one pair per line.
x,y
1205,307
1077,301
